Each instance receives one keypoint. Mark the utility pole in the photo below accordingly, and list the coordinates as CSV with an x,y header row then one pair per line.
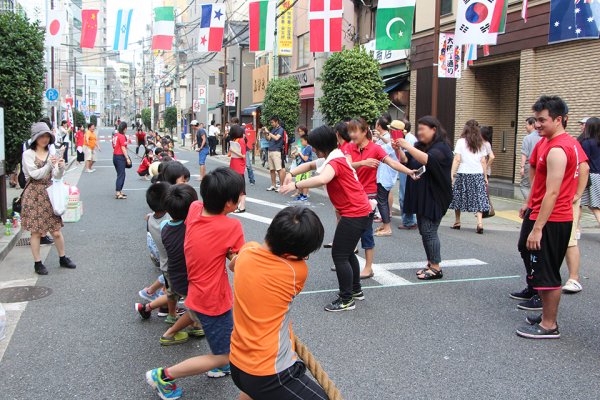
x,y
239,108
436,48
176,80
225,108
53,118
193,89
74,88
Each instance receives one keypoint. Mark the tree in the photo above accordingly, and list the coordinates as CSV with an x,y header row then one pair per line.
x,y
94,120
79,118
21,80
282,99
146,118
352,87
170,118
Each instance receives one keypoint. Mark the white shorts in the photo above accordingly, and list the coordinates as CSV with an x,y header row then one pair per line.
x,y
89,154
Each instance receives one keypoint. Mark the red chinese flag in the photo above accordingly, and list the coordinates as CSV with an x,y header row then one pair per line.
x,y
89,28
325,18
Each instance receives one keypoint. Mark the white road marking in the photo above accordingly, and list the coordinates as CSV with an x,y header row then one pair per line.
x,y
383,276
253,217
265,203
464,262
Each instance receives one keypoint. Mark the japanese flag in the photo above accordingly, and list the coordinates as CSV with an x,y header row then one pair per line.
x,y
55,28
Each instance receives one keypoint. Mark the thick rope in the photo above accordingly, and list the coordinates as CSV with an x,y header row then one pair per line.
x,y
316,370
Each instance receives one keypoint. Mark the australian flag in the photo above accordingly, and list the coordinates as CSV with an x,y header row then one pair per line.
x,y
574,19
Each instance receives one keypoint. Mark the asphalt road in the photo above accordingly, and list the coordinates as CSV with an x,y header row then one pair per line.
x,y
450,339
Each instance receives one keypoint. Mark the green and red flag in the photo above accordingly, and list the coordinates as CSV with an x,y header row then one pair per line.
x,y
394,24
163,29
262,24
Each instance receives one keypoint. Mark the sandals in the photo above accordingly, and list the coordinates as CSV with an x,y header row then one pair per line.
x,y
456,226
430,274
121,196
239,211
381,233
422,271
480,229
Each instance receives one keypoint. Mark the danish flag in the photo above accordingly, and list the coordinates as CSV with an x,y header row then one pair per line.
x,y
325,25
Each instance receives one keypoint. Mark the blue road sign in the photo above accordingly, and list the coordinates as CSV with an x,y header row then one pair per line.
x,y
52,94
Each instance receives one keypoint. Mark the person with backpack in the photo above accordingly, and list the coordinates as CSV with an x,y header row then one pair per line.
x,y
276,147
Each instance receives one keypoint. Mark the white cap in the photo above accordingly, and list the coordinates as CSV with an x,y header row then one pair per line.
x,y
195,123
583,120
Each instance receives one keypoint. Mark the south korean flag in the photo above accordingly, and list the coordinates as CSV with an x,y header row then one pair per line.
x,y
473,22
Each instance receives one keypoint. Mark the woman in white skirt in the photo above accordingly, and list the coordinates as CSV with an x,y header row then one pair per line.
x,y
469,177
590,141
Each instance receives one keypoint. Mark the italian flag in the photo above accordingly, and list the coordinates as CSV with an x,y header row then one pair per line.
x,y
262,24
163,28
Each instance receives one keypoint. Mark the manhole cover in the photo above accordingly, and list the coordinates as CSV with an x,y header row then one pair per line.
x,y
18,294
23,242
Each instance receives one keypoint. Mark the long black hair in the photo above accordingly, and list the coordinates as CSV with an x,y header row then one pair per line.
x,y
440,132
122,127
592,130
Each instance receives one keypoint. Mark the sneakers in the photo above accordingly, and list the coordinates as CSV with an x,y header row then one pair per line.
x,y
219,372
195,332
140,308
40,269
524,294
572,287
533,304
89,171
66,262
46,240
166,390
162,312
537,332
359,295
147,296
171,320
303,198
532,320
271,189
178,338
339,305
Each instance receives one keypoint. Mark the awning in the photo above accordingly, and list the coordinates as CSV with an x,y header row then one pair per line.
x,y
218,105
251,109
391,87
307,92
394,82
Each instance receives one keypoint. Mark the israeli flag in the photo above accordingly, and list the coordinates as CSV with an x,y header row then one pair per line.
x,y
122,29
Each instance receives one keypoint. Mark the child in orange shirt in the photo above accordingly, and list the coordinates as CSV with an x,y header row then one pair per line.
x,y
264,364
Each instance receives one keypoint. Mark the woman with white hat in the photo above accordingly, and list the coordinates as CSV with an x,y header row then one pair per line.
x,y
39,167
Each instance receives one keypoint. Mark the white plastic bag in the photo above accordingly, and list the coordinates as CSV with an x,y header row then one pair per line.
x,y
59,196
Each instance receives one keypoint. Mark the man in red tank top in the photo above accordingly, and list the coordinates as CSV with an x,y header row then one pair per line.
x,y
548,217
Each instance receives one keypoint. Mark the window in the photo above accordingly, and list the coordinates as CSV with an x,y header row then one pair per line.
x,y
304,54
284,65
446,7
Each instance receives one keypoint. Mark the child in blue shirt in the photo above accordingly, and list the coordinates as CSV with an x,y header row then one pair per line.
x,y
303,156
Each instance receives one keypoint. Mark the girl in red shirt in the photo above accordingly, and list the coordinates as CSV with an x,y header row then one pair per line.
x,y
237,163
79,141
350,200
121,159
144,169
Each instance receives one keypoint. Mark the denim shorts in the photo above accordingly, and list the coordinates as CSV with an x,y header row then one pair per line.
x,y
216,329
202,154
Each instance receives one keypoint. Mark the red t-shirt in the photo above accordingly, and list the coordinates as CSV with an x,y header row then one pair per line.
x,y
239,164
563,209
141,135
367,175
207,242
144,166
119,140
345,191
79,138
345,148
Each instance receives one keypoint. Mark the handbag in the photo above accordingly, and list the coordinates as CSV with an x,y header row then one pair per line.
x,y
128,163
491,212
17,205
58,193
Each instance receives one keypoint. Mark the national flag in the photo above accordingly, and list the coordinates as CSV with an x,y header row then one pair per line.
x,y
524,10
498,24
163,28
89,28
474,19
470,54
394,24
55,28
486,50
212,27
122,29
325,24
572,20
262,24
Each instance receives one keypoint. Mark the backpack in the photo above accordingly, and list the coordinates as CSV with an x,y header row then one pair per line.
x,y
286,144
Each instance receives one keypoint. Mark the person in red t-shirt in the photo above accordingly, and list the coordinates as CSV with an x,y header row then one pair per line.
x,y
79,141
210,239
349,199
548,215
144,169
238,159
366,157
120,158
140,136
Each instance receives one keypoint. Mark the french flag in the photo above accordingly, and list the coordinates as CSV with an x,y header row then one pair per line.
x,y
212,27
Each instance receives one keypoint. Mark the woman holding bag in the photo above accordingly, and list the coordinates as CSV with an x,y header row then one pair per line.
x,y
39,168
121,159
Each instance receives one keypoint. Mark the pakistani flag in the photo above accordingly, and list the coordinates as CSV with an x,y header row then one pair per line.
x,y
394,24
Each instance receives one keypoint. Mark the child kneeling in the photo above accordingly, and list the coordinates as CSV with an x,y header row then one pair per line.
x,y
264,364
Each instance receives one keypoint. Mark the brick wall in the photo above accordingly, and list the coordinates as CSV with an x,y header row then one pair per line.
x,y
412,108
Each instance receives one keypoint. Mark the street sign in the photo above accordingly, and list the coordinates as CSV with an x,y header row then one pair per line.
x,y
202,92
52,94
197,105
230,98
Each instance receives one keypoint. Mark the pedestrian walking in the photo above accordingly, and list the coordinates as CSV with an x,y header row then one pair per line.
x,y
249,154
430,195
351,202
548,217
90,146
529,142
38,216
79,142
591,146
121,159
63,140
213,132
469,177
237,149
486,134
275,138
409,221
